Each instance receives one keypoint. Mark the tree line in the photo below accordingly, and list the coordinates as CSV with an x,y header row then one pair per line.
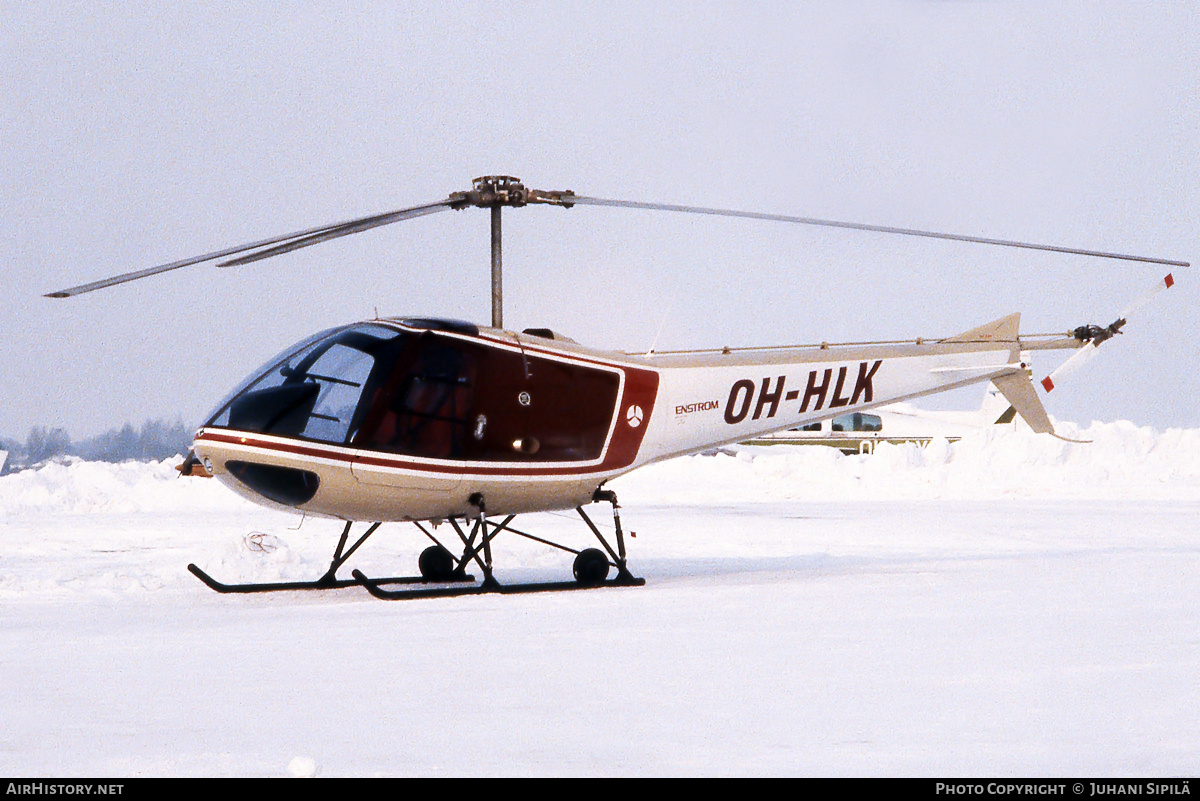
x,y
154,441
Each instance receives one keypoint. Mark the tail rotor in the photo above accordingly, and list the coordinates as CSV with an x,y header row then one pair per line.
x,y
1093,336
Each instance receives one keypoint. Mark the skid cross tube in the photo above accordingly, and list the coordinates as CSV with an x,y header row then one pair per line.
x,y
477,501
618,557
338,558
599,536
471,550
477,541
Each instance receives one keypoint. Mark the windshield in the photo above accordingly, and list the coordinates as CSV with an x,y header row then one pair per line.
x,y
313,390
275,361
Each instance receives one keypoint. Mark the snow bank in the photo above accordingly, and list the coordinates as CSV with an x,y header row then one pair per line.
x,y
1120,461
80,487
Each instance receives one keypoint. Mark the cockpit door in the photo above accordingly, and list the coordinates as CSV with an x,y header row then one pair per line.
x,y
419,408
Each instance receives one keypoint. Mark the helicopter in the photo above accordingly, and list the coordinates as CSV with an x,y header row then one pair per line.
x,y
429,421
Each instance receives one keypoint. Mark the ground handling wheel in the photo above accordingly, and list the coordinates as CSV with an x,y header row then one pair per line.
x,y
591,567
436,563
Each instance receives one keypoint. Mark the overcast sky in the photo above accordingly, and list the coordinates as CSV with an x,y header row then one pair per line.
x,y
137,134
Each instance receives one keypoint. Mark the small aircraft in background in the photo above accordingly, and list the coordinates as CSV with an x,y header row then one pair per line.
x,y
422,420
895,423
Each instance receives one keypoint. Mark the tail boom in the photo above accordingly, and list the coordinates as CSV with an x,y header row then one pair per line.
x,y
714,398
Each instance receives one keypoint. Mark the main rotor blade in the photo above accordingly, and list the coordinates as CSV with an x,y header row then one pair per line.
x,y
885,229
364,222
334,232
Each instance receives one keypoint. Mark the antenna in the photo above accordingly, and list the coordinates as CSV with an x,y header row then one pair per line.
x,y
661,324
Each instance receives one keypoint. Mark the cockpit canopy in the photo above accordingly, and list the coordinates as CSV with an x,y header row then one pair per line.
x,y
428,393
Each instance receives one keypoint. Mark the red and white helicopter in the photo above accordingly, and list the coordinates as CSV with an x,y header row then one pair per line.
x,y
432,420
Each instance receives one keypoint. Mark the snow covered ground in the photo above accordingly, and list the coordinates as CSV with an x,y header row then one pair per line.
x,y
1010,604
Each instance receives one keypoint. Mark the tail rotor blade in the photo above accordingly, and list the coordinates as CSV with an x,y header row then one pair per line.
x,y
1097,336
1166,283
1077,360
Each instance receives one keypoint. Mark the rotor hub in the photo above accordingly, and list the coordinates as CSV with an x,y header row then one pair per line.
x,y
493,191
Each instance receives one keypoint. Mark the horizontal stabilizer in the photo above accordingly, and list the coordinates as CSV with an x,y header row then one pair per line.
x,y
1002,330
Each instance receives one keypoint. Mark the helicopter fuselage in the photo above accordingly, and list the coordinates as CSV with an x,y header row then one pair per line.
x,y
403,419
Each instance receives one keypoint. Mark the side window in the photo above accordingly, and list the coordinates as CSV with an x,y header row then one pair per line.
x,y
422,407
858,421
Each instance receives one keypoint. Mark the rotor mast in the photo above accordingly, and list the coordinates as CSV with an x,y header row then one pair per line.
x,y
494,192
497,278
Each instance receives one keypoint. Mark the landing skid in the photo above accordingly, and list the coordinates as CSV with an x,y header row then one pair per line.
x,y
319,584
373,586
440,567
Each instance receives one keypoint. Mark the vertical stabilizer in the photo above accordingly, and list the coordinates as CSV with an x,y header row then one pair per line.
x,y
1020,393
1002,330
995,409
